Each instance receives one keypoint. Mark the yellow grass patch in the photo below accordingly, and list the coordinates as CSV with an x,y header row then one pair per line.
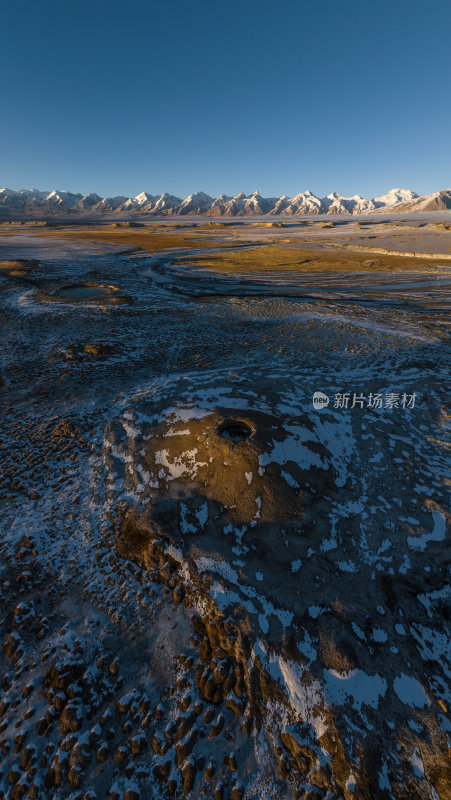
x,y
148,238
277,258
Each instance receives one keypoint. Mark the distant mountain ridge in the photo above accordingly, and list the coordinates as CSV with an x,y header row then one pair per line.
x,y
437,201
33,202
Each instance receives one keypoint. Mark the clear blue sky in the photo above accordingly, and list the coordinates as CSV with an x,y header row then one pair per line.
x,y
115,97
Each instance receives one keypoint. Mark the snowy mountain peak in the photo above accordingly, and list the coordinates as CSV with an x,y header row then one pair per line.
x,y
144,197
35,203
396,196
200,196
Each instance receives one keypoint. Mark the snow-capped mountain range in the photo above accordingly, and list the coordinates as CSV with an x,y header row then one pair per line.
x,y
32,202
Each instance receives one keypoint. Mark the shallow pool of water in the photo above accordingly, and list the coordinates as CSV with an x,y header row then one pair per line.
x,y
81,292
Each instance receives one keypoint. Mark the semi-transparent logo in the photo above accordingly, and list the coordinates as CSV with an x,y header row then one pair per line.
x,y
320,400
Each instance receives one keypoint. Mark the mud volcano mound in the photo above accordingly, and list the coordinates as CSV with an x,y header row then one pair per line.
x,y
96,350
100,293
207,469
274,540
19,263
18,267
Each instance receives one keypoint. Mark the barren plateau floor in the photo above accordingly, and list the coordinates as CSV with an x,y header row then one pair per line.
x,y
209,587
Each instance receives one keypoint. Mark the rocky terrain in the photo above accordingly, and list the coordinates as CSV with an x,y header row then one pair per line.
x,y
209,587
